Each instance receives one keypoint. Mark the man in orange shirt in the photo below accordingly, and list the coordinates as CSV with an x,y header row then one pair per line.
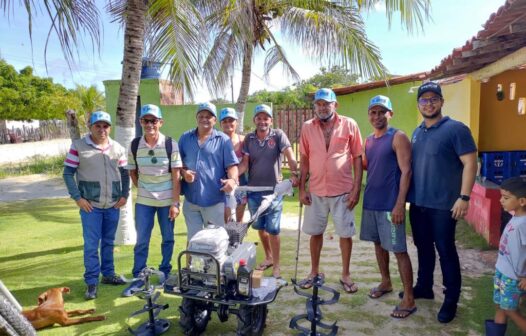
x,y
331,149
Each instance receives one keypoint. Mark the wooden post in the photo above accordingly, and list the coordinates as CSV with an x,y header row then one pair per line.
x,y
73,124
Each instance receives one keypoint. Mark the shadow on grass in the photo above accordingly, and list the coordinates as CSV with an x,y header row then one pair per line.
x,y
29,255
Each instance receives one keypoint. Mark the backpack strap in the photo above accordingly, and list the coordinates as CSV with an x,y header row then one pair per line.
x,y
168,147
134,147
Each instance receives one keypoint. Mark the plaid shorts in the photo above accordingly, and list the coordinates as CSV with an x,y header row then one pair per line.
x,y
506,291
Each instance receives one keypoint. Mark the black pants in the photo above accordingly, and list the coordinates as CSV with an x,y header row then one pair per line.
x,y
433,228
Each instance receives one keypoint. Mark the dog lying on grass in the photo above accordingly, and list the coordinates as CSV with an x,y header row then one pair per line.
x,y
50,310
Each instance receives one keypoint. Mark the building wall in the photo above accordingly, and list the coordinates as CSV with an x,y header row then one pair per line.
x,y
462,103
501,128
404,107
177,118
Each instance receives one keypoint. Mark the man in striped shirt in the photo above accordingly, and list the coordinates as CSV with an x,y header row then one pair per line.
x,y
158,190
102,187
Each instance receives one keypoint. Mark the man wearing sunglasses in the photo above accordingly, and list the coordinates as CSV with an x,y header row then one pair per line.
x,y
444,166
210,171
156,177
102,187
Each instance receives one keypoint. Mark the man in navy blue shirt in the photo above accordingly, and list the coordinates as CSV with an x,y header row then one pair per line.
x,y
209,170
444,168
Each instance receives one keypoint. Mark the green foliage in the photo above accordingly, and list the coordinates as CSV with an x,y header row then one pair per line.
x,y
298,95
24,96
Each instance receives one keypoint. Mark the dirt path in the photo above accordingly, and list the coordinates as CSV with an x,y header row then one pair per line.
x,y
11,153
356,314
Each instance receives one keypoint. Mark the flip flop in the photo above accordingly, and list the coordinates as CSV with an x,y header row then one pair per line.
x,y
376,292
349,287
263,266
402,313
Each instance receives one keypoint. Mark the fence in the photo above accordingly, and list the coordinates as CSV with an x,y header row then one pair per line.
x,y
290,119
48,129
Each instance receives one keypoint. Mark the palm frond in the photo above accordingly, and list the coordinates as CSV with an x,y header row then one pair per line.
x,y
276,55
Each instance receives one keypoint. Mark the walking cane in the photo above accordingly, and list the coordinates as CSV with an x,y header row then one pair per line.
x,y
298,245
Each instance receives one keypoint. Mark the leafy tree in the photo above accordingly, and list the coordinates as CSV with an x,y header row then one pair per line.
x,y
331,31
298,94
91,100
24,96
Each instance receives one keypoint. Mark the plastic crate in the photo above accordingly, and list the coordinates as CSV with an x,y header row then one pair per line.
x,y
496,166
518,160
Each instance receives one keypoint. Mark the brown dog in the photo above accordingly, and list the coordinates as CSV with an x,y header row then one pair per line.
x,y
50,310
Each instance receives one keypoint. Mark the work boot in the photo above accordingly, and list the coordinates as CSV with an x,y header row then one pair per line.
x,y
495,329
113,280
91,292
133,288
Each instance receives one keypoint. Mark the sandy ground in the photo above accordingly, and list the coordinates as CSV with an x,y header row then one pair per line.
x,y
356,314
11,153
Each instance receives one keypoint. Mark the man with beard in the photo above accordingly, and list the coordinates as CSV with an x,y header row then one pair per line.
x,y
388,163
331,159
262,151
209,171
444,166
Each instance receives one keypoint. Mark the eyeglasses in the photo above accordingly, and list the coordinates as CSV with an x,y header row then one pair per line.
x,y
151,153
432,100
150,121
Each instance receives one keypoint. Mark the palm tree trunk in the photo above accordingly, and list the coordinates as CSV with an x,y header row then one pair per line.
x,y
245,86
127,103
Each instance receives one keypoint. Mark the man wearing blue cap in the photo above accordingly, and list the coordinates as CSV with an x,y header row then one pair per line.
x,y
262,152
331,160
154,163
444,166
388,163
102,187
209,171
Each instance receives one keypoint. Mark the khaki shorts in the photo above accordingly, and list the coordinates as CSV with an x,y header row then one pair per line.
x,y
317,216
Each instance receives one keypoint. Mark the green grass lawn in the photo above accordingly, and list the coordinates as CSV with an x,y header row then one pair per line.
x,y
41,247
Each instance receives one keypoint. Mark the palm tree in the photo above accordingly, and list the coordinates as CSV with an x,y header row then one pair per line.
x,y
173,23
330,31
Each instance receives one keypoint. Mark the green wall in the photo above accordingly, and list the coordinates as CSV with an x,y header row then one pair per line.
x,y
405,110
177,118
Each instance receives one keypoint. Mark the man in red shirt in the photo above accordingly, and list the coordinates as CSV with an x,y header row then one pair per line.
x,y
331,149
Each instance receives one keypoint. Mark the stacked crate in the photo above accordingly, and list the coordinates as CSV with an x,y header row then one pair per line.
x,y
518,163
498,166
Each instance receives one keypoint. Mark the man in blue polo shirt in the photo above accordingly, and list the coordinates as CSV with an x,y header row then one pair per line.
x,y
444,167
209,171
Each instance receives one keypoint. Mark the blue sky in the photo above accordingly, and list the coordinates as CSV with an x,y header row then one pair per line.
x,y
452,23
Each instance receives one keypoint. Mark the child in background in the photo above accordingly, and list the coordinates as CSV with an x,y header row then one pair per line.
x,y
510,274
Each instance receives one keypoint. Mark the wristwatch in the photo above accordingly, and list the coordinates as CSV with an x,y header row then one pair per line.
x,y
465,198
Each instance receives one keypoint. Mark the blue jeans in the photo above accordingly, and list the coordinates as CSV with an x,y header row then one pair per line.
x,y
436,228
98,227
198,217
270,219
144,216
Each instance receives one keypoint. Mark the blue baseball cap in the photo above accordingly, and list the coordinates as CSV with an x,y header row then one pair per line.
x,y
429,87
227,112
152,110
381,101
99,116
263,108
325,94
207,106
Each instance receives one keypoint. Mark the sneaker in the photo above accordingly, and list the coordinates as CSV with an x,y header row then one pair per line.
x,y
113,280
419,293
133,288
447,312
91,292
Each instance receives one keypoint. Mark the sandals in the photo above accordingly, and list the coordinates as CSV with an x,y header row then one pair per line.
x,y
402,313
376,293
264,266
349,287
308,282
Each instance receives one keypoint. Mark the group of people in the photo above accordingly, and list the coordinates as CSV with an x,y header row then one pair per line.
x,y
203,165
434,171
